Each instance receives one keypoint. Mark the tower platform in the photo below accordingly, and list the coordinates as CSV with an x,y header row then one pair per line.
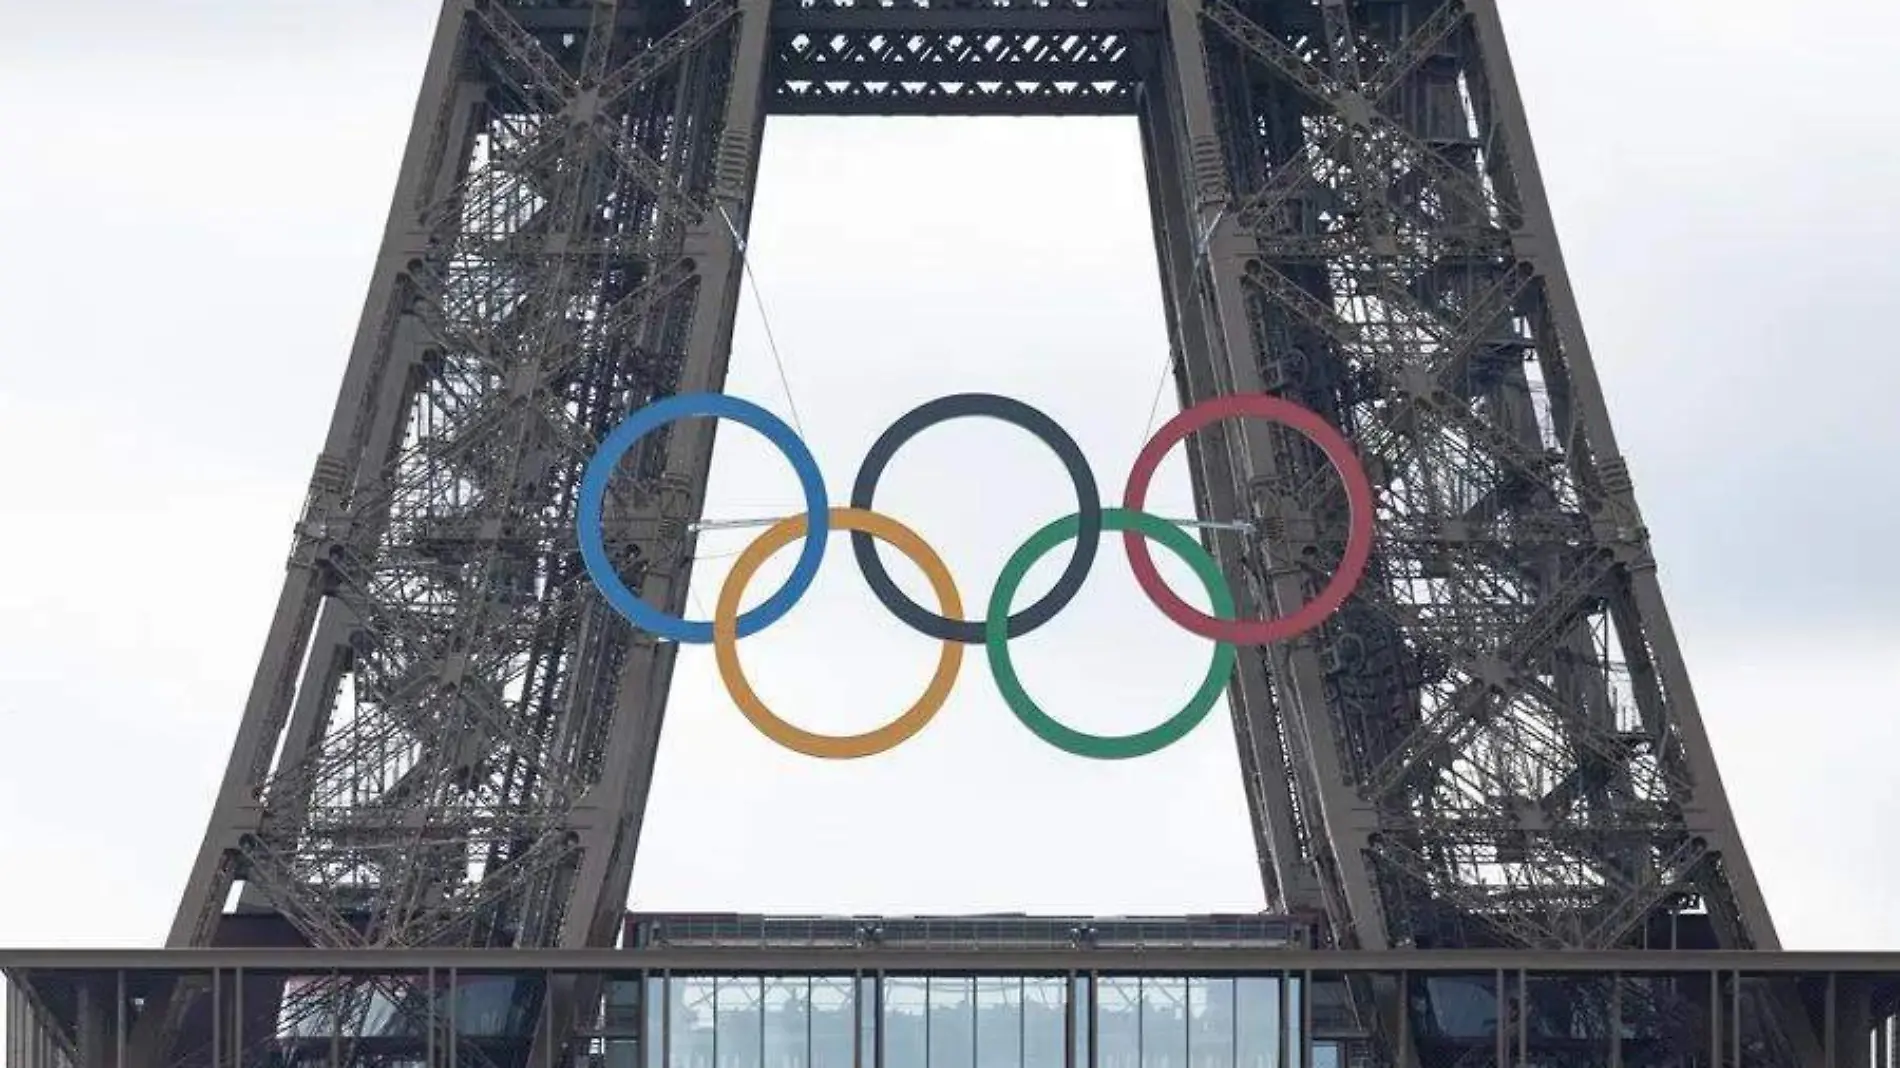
x,y
736,991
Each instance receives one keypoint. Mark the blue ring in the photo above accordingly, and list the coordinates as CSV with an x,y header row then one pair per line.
x,y
594,495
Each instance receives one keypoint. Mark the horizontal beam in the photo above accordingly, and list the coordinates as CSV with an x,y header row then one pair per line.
x,y
1023,71
924,22
963,107
1198,961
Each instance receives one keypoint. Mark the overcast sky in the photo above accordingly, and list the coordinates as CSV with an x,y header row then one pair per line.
x,y
191,193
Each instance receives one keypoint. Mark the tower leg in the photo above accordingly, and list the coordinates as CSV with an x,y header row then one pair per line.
x,y
1243,474
609,819
1283,843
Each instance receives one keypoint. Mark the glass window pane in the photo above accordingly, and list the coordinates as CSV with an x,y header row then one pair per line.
x,y
1211,1023
690,1034
738,1024
381,1018
1295,1020
1045,1019
833,1023
1257,1033
620,1019
904,1044
1329,1006
786,1000
1461,1007
485,1005
1118,1023
952,1022
1163,1022
308,1006
999,1022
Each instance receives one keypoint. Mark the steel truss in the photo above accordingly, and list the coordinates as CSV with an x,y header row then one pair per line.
x,y
450,738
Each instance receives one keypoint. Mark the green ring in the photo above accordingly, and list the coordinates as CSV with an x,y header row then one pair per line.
x,y
1068,739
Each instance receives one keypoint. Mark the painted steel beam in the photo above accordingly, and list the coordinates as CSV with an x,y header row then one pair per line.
x,y
751,960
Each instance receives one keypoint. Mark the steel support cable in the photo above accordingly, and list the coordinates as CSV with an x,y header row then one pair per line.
x,y
778,361
765,320
1202,242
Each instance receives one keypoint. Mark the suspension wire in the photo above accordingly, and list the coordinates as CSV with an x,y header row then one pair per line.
x,y
697,557
1161,385
733,524
758,299
698,605
784,381
1201,243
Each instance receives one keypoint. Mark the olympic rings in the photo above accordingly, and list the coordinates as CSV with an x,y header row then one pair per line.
x,y
1046,430
998,625
594,495
1352,566
797,739
1062,736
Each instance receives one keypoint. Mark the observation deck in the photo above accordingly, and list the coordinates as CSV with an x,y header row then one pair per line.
x,y
734,991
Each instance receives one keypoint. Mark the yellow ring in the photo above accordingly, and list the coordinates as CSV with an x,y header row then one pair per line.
x,y
725,628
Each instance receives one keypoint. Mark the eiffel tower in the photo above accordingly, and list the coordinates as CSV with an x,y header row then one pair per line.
x,y
1493,744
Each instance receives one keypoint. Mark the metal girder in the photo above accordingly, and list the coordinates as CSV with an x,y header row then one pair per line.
x,y
450,737
965,57
964,960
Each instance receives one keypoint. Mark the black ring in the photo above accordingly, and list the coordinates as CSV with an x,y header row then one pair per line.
x,y
1046,430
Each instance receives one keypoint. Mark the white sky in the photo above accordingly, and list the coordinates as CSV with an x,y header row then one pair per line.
x,y
189,204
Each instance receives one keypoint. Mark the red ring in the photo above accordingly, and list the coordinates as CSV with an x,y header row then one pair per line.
x,y
1352,567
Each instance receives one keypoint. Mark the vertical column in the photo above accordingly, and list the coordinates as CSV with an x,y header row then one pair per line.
x,y
1852,1025
14,1051
93,1037
1290,882
878,987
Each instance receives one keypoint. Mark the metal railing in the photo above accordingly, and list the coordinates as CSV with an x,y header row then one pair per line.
x,y
972,933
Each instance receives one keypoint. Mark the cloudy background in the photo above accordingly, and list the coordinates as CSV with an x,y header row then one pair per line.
x,y
191,192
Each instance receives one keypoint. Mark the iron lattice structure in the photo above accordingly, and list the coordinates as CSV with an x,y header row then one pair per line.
x,y
450,737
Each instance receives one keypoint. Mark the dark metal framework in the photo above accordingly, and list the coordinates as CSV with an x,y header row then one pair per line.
x,y
449,739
